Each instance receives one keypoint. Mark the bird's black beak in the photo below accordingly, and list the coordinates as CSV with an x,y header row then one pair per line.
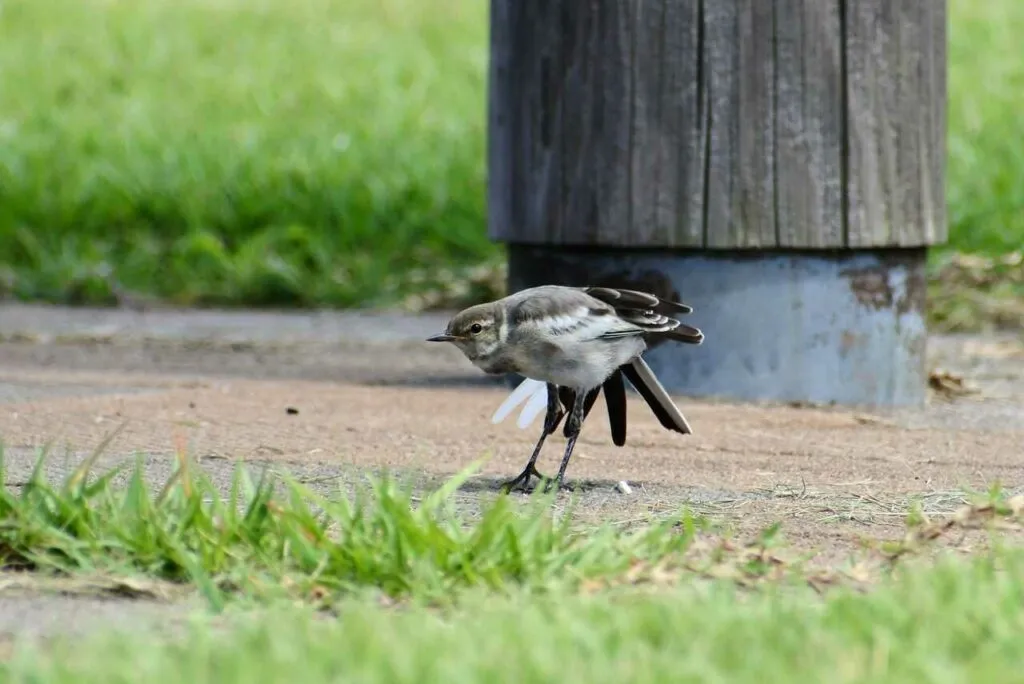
x,y
443,337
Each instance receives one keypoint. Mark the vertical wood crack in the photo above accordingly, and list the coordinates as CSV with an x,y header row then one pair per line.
x,y
844,123
633,24
775,125
704,116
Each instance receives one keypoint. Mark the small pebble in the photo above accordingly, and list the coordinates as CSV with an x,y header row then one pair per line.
x,y
624,487
292,411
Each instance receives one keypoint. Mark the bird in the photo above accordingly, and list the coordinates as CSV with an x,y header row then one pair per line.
x,y
578,341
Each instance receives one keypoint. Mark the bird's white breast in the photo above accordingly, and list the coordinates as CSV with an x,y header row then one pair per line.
x,y
568,351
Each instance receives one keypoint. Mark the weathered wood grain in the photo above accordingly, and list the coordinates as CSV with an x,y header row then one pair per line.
x,y
617,83
669,126
740,193
809,123
932,111
893,90
502,121
717,124
596,128
524,159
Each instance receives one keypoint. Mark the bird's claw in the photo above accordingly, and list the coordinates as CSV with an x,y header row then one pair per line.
x,y
555,483
522,480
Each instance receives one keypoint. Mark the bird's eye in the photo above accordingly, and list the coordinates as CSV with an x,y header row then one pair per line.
x,y
476,328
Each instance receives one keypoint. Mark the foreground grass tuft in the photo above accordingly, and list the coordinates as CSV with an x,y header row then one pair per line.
x,y
275,536
421,591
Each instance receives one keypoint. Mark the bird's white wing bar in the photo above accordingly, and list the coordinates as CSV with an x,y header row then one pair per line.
x,y
560,321
526,390
607,328
571,327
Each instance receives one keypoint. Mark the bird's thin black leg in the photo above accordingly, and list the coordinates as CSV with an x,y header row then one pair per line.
x,y
551,420
573,427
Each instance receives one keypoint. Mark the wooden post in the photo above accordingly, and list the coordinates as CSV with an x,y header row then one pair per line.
x,y
777,164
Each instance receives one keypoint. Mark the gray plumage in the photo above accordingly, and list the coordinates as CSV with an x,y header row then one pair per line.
x,y
576,339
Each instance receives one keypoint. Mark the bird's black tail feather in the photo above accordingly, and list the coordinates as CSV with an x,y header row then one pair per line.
x,y
643,379
615,400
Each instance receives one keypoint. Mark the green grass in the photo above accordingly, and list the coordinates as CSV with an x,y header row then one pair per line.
x,y
971,292
956,623
325,152
387,586
231,151
276,535
985,183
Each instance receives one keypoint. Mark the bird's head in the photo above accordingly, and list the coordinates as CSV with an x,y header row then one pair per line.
x,y
476,331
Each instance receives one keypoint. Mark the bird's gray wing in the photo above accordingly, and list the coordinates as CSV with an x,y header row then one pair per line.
x,y
632,299
647,312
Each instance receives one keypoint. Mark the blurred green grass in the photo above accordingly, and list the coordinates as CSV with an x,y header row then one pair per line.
x,y
324,152
985,171
958,623
238,150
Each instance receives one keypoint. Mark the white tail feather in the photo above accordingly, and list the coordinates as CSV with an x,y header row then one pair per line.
x,y
527,388
537,404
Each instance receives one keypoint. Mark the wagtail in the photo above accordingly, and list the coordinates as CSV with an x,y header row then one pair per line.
x,y
578,341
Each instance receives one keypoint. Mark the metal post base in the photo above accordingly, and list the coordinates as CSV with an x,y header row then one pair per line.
x,y
842,327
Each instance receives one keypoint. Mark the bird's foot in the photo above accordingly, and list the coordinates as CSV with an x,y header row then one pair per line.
x,y
522,480
556,483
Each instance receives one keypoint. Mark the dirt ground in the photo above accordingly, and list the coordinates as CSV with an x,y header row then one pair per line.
x,y
330,395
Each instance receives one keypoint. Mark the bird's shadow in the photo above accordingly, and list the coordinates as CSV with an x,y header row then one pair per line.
x,y
448,380
493,484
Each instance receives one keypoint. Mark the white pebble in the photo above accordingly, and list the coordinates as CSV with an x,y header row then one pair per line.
x,y
624,487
